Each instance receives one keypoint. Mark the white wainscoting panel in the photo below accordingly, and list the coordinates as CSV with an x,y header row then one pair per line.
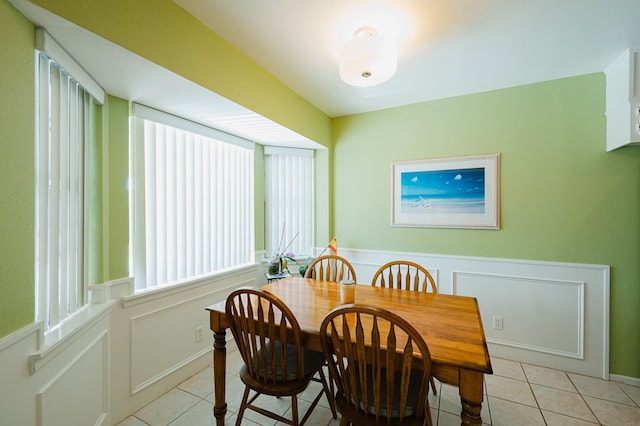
x,y
553,314
78,394
129,350
156,331
163,339
550,318
70,389
17,403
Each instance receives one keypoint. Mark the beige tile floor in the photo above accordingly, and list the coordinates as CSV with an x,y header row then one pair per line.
x,y
516,394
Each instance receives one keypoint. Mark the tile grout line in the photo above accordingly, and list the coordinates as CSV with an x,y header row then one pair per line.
x,y
535,398
584,400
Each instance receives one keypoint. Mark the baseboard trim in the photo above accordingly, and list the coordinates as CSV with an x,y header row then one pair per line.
x,y
633,381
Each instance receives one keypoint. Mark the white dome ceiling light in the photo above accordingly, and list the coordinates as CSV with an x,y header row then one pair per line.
x,y
368,59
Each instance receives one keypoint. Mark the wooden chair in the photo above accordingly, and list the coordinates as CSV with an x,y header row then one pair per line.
x,y
330,268
372,359
268,337
407,275
403,274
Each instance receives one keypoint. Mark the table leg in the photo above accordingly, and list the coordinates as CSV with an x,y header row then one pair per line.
x,y
219,370
471,394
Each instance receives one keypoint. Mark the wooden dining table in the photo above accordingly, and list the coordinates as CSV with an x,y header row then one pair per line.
x,y
450,325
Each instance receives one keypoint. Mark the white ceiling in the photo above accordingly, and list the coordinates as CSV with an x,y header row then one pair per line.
x,y
446,47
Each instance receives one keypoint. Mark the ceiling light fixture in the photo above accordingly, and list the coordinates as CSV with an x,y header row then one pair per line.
x,y
368,59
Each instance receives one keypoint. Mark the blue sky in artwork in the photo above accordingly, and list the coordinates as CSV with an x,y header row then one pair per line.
x,y
450,183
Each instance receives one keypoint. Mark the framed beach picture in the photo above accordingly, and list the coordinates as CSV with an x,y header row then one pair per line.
x,y
457,192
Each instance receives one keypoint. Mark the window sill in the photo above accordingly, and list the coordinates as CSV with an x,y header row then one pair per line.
x,y
59,338
161,292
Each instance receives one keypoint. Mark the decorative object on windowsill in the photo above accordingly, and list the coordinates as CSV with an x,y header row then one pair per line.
x,y
277,264
333,246
274,265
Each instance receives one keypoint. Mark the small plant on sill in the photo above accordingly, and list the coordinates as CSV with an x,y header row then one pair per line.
x,y
277,264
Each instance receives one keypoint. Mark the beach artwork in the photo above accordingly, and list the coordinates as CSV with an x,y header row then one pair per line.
x,y
448,192
457,191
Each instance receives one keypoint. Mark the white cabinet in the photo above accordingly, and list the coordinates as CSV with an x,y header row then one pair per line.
x,y
623,100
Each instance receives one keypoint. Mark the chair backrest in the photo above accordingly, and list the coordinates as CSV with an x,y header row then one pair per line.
x,y
403,274
330,268
380,364
262,325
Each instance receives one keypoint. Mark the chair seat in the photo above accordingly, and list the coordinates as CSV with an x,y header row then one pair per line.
x,y
412,398
312,361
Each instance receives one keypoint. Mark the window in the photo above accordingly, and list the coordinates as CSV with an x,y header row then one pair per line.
x,y
193,200
289,200
64,119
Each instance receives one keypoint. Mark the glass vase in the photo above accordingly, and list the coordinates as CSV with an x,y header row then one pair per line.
x,y
274,265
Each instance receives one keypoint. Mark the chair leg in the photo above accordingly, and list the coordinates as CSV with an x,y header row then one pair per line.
x,y
294,410
328,393
429,419
243,405
433,386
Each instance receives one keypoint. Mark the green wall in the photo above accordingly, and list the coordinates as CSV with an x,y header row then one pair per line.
x,y
108,193
17,207
563,197
116,166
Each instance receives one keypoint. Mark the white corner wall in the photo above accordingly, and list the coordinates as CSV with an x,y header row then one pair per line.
x,y
157,346
46,395
132,350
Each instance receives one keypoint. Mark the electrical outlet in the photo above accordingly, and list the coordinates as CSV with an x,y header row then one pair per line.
x,y
199,336
497,322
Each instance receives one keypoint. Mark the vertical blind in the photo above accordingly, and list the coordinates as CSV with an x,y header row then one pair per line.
x,y
196,215
289,200
63,125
